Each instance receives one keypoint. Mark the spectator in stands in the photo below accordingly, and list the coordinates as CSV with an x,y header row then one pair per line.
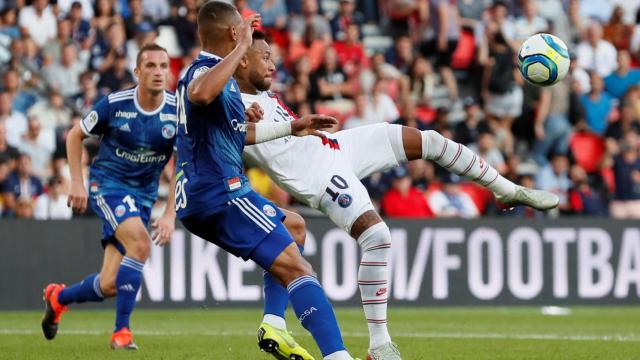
x,y
38,21
24,208
53,204
64,75
554,177
8,25
422,81
88,95
273,13
157,9
467,131
583,199
51,113
597,105
135,19
624,77
184,23
410,116
111,46
402,54
310,47
118,77
597,10
21,183
21,100
299,24
616,31
451,201
596,54
403,15
616,131
576,22
15,122
404,200
486,148
351,53
144,34
81,31
362,114
105,17
52,50
441,39
8,153
530,22
626,199
552,127
85,7
499,14
5,170
346,16
39,146
329,82
381,106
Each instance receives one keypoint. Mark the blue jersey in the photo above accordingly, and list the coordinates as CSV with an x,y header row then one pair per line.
x,y
210,142
135,147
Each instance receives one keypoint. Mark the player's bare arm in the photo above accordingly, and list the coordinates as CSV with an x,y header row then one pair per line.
x,y
77,193
307,125
204,89
166,224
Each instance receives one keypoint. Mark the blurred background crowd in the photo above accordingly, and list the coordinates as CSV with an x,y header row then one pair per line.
x,y
446,65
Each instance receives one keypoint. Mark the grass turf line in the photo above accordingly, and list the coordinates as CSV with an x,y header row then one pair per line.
x,y
421,333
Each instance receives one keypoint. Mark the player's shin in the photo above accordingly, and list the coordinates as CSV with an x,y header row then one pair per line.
x,y
128,283
316,314
373,276
461,161
276,299
86,290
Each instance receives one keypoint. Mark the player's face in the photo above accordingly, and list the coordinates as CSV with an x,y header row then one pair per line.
x,y
261,67
153,71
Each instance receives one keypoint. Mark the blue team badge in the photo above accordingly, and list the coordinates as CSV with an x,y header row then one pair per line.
x,y
168,131
269,210
344,200
120,210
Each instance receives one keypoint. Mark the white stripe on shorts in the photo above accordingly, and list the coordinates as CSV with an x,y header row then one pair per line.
x,y
251,216
107,212
246,201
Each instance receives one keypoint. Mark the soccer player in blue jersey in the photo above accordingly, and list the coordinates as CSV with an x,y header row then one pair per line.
x,y
138,128
213,197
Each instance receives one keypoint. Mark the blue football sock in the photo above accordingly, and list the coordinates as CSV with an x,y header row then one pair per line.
x,y
276,296
86,290
316,313
128,283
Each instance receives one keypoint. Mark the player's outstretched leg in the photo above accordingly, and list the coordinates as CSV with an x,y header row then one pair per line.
x,y
458,159
133,235
273,336
94,288
310,303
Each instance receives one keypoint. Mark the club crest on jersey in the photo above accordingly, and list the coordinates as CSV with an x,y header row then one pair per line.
x,y
269,210
344,200
120,210
199,71
168,131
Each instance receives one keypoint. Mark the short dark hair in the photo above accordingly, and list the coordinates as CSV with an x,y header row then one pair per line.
x,y
211,16
148,47
259,35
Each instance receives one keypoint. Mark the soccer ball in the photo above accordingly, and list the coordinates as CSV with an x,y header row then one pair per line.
x,y
543,60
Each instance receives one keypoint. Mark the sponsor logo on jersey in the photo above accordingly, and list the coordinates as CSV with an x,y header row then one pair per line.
x,y
344,200
120,210
238,126
307,313
199,71
234,183
168,117
168,131
381,291
126,114
140,158
269,210
90,120
125,127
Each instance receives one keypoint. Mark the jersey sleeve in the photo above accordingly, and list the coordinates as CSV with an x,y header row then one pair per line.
x,y
95,123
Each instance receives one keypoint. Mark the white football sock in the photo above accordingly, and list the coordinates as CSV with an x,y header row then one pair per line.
x,y
461,161
373,280
339,355
275,321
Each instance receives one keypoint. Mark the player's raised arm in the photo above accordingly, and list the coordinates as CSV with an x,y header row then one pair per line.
x,y
205,88
307,125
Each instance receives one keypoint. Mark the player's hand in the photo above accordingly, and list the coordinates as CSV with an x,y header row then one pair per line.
x,y
254,113
77,199
310,124
539,131
163,229
245,31
442,43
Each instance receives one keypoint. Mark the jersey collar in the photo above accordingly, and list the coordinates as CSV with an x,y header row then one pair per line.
x,y
209,55
148,113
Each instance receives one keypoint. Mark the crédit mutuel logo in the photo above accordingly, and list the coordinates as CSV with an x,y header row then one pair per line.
x,y
238,126
143,157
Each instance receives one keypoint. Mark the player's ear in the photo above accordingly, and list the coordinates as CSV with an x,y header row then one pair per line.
x,y
244,62
136,72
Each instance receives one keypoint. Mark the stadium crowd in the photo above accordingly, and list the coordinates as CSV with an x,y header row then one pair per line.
x,y
447,65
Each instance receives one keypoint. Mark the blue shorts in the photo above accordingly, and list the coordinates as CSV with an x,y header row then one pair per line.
x,y
249,227
113,208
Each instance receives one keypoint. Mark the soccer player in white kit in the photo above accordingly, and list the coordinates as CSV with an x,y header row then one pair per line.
x,y
325,173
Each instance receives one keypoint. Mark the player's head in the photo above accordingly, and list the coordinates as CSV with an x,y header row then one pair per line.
x,y
257,67
217,24
152,68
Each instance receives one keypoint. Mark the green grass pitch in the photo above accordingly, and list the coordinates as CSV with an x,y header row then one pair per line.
x,y
422,333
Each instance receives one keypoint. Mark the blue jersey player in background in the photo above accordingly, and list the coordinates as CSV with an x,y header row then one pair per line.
x,y
213,197
138,128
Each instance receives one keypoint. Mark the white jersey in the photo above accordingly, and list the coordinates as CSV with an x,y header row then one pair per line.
x,y
300,165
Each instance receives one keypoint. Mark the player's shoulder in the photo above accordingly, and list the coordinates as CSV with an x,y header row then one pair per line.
x,y
200,66
122,95
170,98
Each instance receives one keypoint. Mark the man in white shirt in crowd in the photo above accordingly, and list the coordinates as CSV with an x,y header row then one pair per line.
x,y
53,204
596,54
38,21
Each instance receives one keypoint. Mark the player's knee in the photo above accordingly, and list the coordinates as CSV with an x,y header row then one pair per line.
x,y
292,270
432,141
139,247
297,228
375,238
108,286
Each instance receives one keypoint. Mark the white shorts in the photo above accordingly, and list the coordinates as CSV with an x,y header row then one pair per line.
x,y
363,151
506,105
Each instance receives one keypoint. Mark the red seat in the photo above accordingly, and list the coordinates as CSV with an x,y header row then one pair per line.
x,y
587,149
